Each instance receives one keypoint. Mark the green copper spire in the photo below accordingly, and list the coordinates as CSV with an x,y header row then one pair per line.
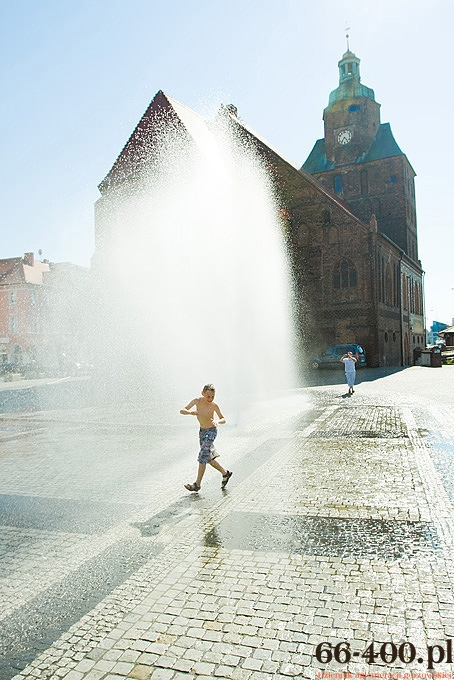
x,y
350,86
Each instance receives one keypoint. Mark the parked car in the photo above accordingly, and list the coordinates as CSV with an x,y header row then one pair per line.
x,y
331,357
8,369
28,371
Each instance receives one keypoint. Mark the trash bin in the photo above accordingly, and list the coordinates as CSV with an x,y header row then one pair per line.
x,y
426,358
435,357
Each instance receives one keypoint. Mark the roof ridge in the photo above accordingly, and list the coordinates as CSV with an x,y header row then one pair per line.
x,y
160,94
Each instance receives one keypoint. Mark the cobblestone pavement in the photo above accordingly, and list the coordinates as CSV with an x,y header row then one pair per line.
x,y
335,532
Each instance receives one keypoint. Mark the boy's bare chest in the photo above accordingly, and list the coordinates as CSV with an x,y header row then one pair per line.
x,y
205,409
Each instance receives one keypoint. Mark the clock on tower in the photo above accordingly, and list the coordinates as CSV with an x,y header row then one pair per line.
x,y
344,137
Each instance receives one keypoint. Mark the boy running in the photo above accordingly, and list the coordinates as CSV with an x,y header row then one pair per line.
x,y
205,408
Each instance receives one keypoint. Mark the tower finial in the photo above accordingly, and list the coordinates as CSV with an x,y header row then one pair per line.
x,y
347,35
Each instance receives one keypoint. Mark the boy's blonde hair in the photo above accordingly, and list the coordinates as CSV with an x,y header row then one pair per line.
x,y
208,388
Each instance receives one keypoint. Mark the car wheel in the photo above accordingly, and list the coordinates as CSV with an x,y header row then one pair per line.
x,y
315,364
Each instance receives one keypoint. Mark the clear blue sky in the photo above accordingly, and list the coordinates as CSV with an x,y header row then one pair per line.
x,y
76,76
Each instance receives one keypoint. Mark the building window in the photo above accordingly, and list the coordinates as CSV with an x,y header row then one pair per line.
x,y
389,286
338,188
396,288
404,292
382,280
418,305
326,217
13,324
411,294
386,336
333,235
344,275
12,297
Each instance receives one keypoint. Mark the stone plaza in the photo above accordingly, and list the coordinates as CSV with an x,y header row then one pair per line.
x,y
330,553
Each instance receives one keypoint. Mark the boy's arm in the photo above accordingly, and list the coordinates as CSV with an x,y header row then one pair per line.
x,y
221,420
186,412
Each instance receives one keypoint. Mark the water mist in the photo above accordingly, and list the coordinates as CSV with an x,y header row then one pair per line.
x,y
196,272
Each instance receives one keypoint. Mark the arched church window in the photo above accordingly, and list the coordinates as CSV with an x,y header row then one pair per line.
x,y
364,180
382,280
396,286
411,294
338,188
326,217
417,299
302,234
333,235
344,275
388,285
404,292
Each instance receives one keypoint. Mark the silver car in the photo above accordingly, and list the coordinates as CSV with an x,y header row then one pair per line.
x,y
331,357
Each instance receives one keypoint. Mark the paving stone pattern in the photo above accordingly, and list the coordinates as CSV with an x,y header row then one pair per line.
x,y
204,609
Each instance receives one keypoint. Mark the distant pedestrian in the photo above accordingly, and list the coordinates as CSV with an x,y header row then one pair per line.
x,y
205,410
349,362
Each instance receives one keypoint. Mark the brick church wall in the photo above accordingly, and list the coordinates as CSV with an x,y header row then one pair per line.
x,y
322,233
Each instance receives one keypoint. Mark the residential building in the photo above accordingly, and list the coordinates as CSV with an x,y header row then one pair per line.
x,y
42,314
22,301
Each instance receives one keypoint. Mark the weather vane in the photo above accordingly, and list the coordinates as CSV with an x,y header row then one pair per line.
x,y
347,35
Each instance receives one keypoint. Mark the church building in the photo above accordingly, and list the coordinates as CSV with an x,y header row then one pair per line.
x,y
360,162
348,216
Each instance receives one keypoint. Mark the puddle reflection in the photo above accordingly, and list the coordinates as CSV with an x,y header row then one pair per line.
x,y
327,536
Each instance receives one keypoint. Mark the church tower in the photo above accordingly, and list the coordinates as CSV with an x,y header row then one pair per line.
x,y
359,160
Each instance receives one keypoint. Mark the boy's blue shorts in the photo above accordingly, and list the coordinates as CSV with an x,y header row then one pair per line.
x,y
207,452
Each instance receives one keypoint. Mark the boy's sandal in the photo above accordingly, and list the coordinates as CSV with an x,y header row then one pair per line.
x,y
225,479
192,487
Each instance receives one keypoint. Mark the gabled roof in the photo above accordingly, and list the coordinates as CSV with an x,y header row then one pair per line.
x,y
449,330
383,146
163,115
317,160
14,271
10,268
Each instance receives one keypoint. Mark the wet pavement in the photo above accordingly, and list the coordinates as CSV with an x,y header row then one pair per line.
x,y
335,532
